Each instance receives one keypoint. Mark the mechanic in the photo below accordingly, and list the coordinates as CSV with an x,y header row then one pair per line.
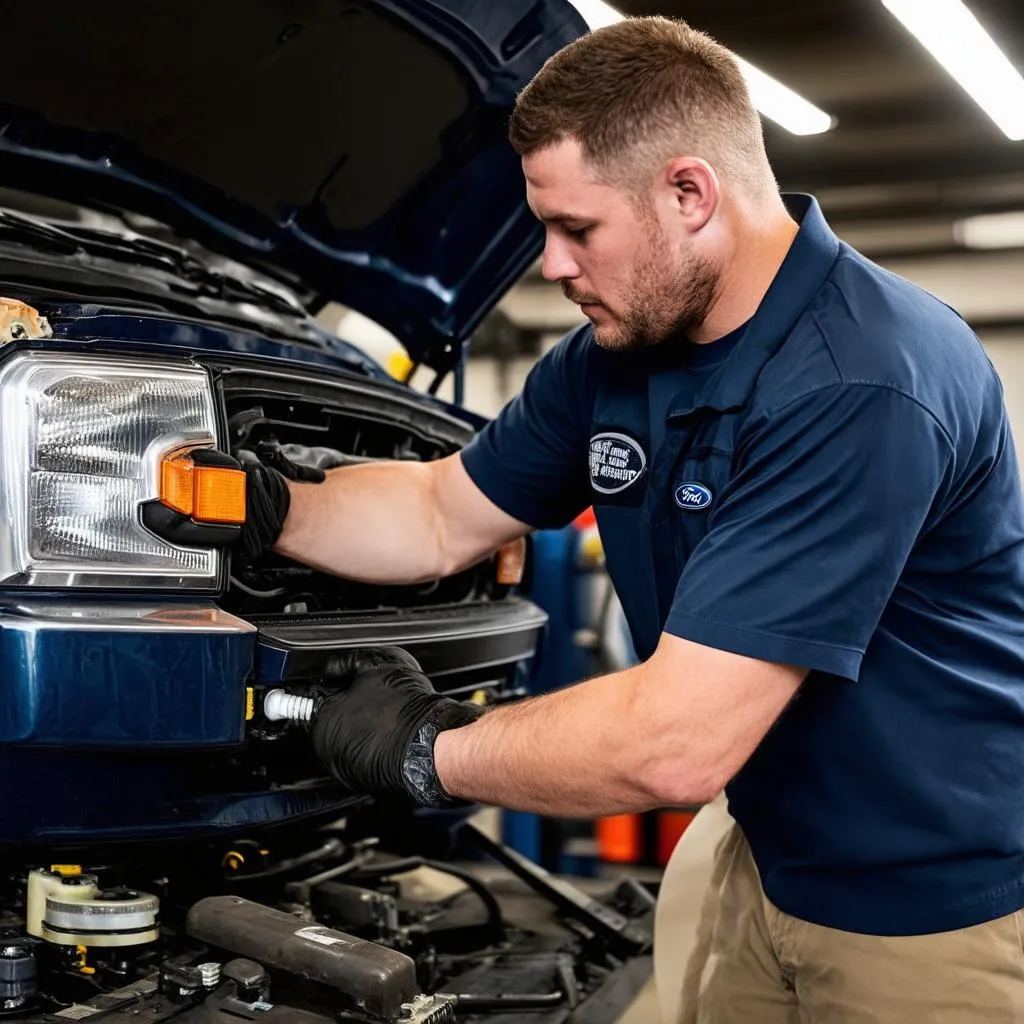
x,y
810,503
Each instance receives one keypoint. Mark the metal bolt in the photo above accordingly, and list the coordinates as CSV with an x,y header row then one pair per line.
x,y
209,974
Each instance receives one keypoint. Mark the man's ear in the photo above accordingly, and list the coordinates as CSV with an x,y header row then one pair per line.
x,y
695,188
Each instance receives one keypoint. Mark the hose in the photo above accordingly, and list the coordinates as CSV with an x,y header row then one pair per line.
x,y
332,848
398,867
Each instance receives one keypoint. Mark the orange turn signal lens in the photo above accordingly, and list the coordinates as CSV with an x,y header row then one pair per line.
x,y
209,494
176,485
218,495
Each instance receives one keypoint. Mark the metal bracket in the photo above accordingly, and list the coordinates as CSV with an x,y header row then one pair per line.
x,y
623,936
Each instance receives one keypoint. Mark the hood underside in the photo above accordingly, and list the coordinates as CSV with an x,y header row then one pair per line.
x,y
357,146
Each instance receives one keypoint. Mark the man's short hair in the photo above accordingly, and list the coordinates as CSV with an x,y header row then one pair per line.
x,y
639,92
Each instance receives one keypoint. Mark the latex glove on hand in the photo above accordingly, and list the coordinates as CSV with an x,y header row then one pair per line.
x,y
376,734
267,498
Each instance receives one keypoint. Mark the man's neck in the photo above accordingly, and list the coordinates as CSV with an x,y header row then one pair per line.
x,y
759,253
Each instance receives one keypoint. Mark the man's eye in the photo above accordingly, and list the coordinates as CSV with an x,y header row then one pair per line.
x,y
579,233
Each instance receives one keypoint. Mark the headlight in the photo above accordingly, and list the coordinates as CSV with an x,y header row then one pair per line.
x,y
83,439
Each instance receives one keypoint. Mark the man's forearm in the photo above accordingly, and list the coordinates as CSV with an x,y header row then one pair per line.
x,y
669,732
377,523
589,750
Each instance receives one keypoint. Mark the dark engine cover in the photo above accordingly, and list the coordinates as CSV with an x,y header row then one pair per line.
x,y
377,980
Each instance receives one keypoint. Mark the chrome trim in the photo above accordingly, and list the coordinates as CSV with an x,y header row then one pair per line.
x,y
400,639
158,450
135,618
116,581
408,626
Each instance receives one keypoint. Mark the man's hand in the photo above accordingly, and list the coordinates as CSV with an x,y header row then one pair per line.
x,y
376,734
267,498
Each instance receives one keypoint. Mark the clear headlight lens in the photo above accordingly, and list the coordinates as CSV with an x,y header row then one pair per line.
x,y
83,437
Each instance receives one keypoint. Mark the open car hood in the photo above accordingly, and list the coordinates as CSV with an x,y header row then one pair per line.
x,y
359,147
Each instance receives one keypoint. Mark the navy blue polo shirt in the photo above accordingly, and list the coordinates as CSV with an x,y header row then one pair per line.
x,y
840,493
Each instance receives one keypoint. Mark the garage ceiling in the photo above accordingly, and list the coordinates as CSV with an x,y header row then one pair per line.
x,y
911,153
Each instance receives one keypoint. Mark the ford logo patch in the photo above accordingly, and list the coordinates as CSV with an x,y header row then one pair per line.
x,y
616,462
693,497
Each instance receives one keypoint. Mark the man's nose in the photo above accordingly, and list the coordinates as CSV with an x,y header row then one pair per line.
x,y
556,264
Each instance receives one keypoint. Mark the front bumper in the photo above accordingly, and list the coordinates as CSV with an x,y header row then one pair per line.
x,y
135,722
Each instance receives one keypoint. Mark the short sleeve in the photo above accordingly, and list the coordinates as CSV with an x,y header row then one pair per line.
x,y
807,543
531,460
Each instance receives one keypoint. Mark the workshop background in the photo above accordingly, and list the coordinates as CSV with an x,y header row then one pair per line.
x,y
916,163
911,169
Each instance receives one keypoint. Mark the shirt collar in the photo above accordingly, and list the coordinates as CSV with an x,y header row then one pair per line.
x,y
804,270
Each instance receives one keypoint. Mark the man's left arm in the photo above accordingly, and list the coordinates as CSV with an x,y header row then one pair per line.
x,y
669,732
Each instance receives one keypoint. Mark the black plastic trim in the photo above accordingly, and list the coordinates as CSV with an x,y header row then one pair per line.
x,y
181,529
444,639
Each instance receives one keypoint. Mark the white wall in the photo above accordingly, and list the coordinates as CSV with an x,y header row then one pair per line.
x,y
1006,350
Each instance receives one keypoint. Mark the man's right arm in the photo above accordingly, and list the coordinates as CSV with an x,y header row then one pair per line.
x,y
394,522
403,522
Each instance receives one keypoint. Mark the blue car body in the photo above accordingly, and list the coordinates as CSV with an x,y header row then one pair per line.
x,y
131,713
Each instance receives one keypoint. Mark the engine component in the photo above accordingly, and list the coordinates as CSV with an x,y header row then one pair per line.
x,y
438,1009
68,887
209,974
18,971
249,978
279,705
360,909
72,911
622,934
377,980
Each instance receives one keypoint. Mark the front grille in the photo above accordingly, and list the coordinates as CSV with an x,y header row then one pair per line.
x,y
329,420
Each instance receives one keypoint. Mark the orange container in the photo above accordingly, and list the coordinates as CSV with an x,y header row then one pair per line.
x,y
619,839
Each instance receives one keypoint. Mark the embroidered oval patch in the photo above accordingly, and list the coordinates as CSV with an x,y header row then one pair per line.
x,y
616,461
693,497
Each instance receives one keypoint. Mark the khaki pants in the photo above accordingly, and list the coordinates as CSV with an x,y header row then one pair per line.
x,y
724,954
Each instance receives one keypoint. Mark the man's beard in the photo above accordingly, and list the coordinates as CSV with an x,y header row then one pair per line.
x,y
668,295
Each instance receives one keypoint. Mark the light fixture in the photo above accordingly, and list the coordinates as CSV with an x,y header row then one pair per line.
x,y
785,107
953,36
773,99
991,231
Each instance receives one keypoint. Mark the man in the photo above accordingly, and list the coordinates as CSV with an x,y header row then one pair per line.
x,y
808,494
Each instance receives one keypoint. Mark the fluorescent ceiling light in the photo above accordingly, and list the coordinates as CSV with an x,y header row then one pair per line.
x,y
991,231
782,105
596,13
773,99
951,33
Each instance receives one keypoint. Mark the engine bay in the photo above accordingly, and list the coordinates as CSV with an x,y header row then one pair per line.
x,y
317,925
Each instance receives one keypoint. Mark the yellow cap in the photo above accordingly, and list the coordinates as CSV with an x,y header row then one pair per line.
x,y
399,365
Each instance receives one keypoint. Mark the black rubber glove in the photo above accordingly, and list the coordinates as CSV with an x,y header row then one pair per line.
x,y
376,735
267,498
